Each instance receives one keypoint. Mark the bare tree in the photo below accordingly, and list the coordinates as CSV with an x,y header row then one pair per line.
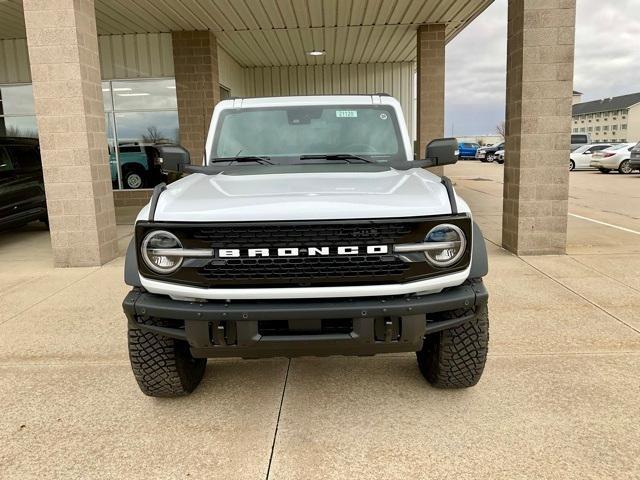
x,y
153,135
502,130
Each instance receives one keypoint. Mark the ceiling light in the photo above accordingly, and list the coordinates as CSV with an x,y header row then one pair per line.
x,y
122,89
142,94
316,53
172,87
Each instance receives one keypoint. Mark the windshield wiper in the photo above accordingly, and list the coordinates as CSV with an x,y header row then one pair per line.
x,y
247,158
336,156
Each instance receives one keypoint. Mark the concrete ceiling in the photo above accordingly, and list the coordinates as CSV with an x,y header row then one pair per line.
x,y
279,32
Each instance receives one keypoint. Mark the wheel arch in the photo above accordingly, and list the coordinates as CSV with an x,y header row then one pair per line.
x,y
131,275
479,258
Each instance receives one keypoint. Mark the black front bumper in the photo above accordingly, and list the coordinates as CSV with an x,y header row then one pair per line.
x,y
236,329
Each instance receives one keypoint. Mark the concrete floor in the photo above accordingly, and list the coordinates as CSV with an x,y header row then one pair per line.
x,y
560,397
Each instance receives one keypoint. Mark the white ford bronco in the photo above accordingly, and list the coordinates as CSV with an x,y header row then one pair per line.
x,y
309,229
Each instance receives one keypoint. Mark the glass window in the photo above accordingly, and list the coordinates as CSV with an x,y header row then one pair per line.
x,y
144,94
147,127
16,100
25,158
107,99
5,161
369,131
18,126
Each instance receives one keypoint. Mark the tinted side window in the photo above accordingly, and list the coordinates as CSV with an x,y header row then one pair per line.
x,y
5,161
25,158
130,149
599,147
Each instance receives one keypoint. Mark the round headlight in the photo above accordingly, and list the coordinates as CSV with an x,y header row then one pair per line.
x,y
154,251
451,245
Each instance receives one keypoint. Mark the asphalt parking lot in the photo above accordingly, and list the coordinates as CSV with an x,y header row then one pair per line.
x,y
559,397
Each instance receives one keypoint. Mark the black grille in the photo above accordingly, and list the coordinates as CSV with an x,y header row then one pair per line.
x,y
301,235
305,269
302,270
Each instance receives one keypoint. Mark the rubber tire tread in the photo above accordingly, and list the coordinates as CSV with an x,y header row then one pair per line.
x,y
455,358
163,366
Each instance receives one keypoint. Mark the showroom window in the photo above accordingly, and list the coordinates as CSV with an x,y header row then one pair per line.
x,y
139,114
17,111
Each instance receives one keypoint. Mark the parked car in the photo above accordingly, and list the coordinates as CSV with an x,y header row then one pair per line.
x,y
634,159
581,157
22,198
467,150
580,139
375,255
140,165
500,156
488,154
614,158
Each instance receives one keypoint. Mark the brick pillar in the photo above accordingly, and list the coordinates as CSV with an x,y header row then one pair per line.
x,y
430,92
65,70
540,48
195,58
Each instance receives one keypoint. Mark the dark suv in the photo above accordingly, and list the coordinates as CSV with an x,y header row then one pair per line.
x,y
488,154
22,197
634,159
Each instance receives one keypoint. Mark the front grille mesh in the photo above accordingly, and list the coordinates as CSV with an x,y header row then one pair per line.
x,y
300,235
304,270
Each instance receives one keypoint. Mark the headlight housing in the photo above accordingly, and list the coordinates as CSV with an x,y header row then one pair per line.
x,y
448,245
154,251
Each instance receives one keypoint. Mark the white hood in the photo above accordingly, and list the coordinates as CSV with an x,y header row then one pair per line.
x,y
303,196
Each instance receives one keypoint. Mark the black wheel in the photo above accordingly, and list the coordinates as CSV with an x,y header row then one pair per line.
x,y
604,170
163,367
133,179
625,168
455,358
572,165
490,157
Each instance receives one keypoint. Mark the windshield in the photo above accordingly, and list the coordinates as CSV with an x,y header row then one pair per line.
x,y
284,134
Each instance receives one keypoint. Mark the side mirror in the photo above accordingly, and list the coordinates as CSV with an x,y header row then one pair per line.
x,y
442,151
173,158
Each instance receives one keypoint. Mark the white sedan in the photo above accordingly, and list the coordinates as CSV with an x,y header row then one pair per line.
x,y
613,158
581,156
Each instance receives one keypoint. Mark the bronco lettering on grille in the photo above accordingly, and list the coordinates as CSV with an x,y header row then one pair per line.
x,y
301,251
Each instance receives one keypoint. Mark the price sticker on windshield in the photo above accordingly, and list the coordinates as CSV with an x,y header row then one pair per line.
x,y
347,113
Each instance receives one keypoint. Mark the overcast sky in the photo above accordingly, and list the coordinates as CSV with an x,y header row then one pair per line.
x,y
607,62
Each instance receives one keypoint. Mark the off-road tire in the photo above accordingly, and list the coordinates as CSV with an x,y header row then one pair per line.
x,y
163,366
455,358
